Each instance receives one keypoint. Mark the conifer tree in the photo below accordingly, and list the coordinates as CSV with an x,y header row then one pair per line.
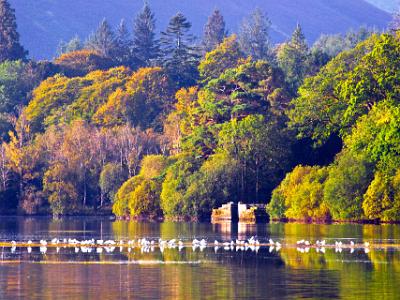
x,y
102,40
179,55
145,46
254,36
10,47
123,45
293,59
395,23
214,31
74,44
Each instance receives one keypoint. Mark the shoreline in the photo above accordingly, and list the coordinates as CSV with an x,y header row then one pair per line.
x,y
159,219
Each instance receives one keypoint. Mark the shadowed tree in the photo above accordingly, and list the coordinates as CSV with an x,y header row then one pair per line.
x,y
123,45
145,45
214,31
10,47
102,40
179,56
254,35
395,23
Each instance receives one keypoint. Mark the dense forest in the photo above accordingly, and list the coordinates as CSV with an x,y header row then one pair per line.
x,y
161,124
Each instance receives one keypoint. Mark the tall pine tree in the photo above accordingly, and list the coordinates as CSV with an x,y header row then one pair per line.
x,y
123,44
102,40
146,48
254,36
180,57
10,47
214,31
293,59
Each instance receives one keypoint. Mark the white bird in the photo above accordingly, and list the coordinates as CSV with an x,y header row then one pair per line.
x,y
252,241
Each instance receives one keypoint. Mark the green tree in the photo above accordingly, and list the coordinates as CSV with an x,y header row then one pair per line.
x,y
179,57
145,199
146,48
260,148
216,183
61,193
111,178
300,195
254,36
225,56
378,199
10,47
319,111
177,180
348,180
122,197
293,59
214,31
140,195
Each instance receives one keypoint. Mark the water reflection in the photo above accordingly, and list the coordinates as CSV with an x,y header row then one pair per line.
x,y
186,274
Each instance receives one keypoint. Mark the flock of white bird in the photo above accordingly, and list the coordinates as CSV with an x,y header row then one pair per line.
x,y
145,245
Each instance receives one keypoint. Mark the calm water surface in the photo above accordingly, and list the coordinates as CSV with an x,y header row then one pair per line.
x,y
188,274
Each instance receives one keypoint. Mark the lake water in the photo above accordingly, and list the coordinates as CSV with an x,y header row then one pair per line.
x,y
194,274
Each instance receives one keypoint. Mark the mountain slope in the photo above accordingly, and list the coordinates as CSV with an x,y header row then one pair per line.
x,y
388,5
43,23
